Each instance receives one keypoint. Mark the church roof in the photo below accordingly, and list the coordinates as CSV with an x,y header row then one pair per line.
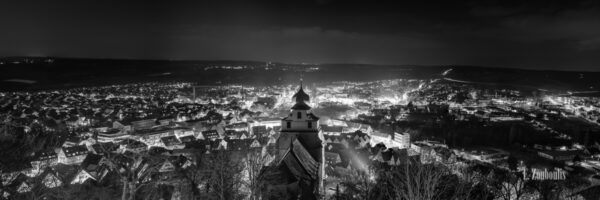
x,y
300,162
312,116
300,106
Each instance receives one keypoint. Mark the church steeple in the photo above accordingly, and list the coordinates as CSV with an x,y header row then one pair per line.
x,y
301,96
300,130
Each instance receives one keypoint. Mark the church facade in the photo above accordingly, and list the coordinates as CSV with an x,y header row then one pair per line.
x,y
298,171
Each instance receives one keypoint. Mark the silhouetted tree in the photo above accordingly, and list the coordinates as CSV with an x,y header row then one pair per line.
x,y
253,162
224,178
133,169
357,185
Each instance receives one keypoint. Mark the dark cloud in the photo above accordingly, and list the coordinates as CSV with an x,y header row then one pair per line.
x,y
526,34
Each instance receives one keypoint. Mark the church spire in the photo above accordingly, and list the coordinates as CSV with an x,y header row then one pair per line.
x,y
301,96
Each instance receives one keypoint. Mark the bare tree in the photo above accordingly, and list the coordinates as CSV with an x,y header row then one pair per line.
x,y
571,186
510,185
483,188
455,187
410,180
254,160
357,185
546,189
194,174
224,178
419,181
133,169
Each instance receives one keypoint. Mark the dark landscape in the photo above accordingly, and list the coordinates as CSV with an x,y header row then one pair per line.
x,y
300,100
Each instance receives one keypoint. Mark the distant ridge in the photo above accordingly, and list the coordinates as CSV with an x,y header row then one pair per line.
x,y
41,58
42,73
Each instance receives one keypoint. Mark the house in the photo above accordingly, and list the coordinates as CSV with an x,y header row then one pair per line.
x,y
119,126
143,124
101,148
44,159
72,155
237,135
357,139
255,143
50,179
259,131
166,166
93,161
21,184
81,177
402,140
332,130
242,135
92,168
237,127
210,135
183,132
9,177
171,142
186,139
24,187
16,183
5,194
166,121
133,146
152,136
71,141
113,135
222,145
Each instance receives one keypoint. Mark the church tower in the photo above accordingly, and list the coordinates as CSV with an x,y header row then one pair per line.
x,y
301,128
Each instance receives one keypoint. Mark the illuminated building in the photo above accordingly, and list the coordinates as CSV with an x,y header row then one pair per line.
x,y
299,172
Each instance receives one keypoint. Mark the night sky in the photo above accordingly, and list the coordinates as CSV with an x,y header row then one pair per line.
x,y
562,35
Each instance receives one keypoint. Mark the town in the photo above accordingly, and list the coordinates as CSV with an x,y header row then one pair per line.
x,y
178,140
